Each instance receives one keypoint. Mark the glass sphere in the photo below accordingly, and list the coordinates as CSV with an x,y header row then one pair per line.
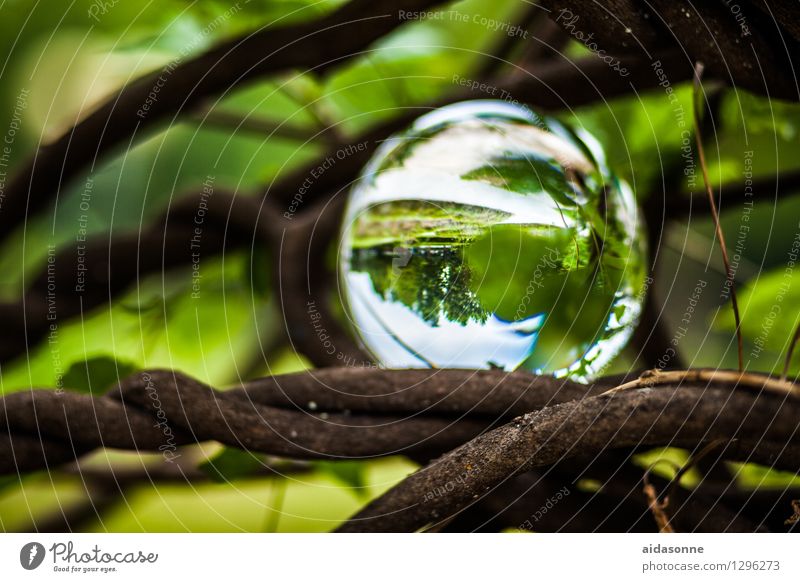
x,y
486,236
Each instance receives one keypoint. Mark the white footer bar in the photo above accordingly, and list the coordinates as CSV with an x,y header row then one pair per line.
x,y
390,557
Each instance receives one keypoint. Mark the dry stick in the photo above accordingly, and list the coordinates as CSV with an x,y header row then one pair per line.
x,y
707,508
657,505
714,214
693,510
757,382
789,353
713,469
519,503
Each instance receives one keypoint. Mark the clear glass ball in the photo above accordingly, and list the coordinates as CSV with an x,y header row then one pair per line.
x,y
486,236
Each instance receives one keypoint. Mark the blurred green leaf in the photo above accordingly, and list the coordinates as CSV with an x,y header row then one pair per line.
x,y
7,481
349,473
212,336
751,476
416,63
761,115
640,136
665,462
95,375
230,464
768,308
259,269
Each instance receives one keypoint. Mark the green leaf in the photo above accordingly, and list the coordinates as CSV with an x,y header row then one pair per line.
x,y
209,337
768,308
665,461
7,481
349,473
525,175
230,464
509,261
95,375
259,268
635,132
751,476
761,114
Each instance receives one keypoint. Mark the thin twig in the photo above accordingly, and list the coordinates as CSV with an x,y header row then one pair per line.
x,y
757,382
715,215
657,505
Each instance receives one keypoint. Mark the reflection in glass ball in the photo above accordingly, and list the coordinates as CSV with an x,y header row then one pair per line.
x,y
486,236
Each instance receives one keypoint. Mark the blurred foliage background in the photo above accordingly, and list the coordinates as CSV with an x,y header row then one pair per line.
x,y
66,58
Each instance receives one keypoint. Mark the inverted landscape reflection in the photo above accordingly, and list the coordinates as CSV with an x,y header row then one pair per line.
x,y
488,237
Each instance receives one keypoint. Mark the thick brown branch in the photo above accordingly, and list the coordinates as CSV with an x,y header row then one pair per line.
x,y
684,416
451,393
305,285
758,60
319,414
161,410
